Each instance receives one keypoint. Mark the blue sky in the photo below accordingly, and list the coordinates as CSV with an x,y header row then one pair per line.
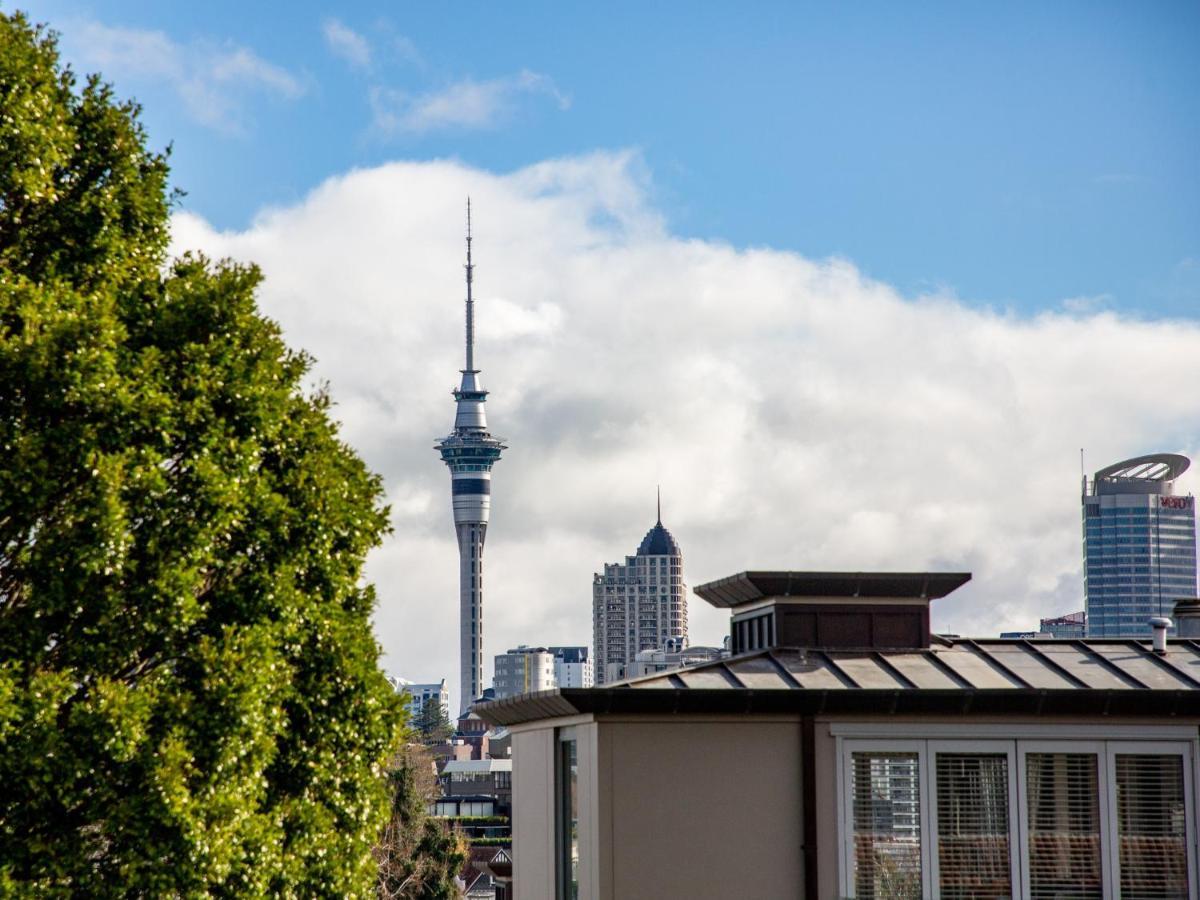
x,y
852,282
1018,156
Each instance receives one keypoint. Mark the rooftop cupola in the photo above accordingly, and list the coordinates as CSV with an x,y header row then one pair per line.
x,y
860,610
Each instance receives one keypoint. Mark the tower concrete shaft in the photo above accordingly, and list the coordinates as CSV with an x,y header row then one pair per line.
x,y
470,451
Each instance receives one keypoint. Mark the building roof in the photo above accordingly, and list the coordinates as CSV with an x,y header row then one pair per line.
x,y
747,587
658,542
1152,467
477,766
955,676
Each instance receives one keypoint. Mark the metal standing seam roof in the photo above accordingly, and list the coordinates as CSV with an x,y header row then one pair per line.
x,y
956,675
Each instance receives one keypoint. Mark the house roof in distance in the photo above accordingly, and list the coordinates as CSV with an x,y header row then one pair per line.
x,y
747,587
477,766
955,676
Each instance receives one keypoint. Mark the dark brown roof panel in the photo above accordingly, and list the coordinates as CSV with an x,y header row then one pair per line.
x,y
746,587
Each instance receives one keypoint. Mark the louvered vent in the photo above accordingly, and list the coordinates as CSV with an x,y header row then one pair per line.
x,y
886,791
1151,827
973,826
1062,792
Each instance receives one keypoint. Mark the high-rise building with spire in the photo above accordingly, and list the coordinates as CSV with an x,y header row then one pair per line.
x,y
470,451
639,605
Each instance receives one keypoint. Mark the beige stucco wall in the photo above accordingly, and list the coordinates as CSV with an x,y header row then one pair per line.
x,y
533,813
699,809
707,809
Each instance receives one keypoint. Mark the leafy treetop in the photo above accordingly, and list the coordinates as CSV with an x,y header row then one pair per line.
x,y
190,702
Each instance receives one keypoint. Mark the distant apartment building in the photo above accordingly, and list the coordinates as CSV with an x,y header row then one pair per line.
x,y
522,670
1139,544
419,694
572,667
638,605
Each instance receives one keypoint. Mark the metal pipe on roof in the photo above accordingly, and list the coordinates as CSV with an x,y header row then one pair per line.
x,y
1160,624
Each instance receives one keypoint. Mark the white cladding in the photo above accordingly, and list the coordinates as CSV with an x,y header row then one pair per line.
x,y
524,670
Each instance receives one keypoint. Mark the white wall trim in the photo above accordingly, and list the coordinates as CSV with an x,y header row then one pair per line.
x,y
1057,730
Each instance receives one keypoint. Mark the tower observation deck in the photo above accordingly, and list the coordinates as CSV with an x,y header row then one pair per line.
x,y
470,451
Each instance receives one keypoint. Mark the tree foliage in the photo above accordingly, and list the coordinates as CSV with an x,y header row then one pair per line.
x,y
419,856
432,723
190,702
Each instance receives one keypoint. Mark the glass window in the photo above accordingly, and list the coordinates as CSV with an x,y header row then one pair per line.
x,y
974,857
1151,826
568,816
1062,791
998,819
886,803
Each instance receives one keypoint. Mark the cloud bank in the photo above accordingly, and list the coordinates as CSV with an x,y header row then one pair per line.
x,y
797,413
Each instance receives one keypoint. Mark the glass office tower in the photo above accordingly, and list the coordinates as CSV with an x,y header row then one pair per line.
x,y
1139,544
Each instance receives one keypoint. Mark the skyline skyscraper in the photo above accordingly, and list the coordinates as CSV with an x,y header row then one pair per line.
x,y
639,605
1139,544
470,451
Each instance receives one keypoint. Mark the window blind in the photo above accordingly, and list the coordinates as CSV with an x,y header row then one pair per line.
x,y
886,801
1151,829
1062,792
973,826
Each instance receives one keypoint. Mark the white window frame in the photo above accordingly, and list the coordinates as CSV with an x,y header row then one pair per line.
x,y
1104,742
1095,748
846,806
988,748
1155,748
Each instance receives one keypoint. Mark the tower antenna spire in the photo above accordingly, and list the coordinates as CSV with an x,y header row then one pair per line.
x,y
659,490
470,301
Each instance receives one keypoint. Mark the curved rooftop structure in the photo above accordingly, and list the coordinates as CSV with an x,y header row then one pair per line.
x,y
1152,467
1150,474
658,542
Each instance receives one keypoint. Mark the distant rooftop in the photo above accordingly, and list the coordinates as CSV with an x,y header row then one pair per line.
x,y
658,542
1150,474
477,766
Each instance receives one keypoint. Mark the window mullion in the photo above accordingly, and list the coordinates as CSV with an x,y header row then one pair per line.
x,y
929,866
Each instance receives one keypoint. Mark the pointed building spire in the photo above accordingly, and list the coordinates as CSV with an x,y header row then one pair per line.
x,y
659,488
470,301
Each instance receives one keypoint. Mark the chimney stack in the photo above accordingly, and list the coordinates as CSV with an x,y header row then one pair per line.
x,y
1160,624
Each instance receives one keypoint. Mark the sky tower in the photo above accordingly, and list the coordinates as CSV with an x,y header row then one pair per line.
x,y
470,451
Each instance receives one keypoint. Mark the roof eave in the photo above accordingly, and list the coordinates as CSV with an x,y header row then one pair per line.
x,y
1067,702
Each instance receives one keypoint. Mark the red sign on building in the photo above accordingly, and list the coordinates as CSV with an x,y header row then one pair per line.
x,y
1175,502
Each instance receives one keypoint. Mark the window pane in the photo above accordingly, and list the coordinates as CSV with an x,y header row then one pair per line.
x,y
1151,827
972,826
885,793
1062,792
568,822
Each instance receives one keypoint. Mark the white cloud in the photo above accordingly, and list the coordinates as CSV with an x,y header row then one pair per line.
x,y
465,104
214,81
796,413
347,43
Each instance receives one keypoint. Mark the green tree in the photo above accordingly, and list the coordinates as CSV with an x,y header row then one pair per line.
x,y
419,856
432,723
190,702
